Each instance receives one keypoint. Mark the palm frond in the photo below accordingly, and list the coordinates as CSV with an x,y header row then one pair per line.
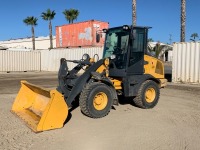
x,y
48,15
30,20
71,14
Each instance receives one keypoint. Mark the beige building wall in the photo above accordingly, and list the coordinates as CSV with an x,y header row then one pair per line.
x,y
26,43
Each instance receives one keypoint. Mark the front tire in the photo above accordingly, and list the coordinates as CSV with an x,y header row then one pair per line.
x,y
148,95
96,100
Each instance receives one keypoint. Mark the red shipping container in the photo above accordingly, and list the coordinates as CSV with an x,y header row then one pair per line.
x,y
82,34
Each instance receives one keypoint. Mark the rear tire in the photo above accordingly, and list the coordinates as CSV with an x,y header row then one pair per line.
x,y
148,95
96,100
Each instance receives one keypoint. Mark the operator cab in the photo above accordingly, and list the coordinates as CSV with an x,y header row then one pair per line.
x,y
125,46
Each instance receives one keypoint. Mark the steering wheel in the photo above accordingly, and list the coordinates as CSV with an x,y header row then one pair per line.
x,y
117,50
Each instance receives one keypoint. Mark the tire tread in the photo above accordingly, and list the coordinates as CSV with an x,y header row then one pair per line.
x,y
138,99
83,103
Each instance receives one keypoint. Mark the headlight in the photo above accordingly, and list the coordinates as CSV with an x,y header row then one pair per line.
x,y
96,57
125,27
85,57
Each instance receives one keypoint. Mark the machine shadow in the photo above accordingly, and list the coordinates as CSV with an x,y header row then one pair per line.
x,y
75,104
122,101
126,100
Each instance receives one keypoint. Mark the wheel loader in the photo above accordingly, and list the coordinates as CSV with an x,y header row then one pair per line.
x,y
126,69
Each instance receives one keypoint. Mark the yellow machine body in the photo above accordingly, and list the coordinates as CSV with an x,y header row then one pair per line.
x,y
39,108
43,109
155,67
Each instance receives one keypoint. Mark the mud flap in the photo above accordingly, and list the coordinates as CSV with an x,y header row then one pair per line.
x,y
39,108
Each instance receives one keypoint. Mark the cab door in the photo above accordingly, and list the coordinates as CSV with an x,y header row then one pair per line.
x,y
136,51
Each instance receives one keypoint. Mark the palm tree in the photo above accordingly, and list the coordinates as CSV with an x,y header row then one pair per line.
x,y
183,19
134,17
159,50
30,20
71,14
150,40
194,36
48,16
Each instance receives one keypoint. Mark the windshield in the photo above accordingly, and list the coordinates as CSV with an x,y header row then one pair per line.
x,y
116,42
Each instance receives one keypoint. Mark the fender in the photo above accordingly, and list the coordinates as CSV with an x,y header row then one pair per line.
x,y
132,83
81,82
100,77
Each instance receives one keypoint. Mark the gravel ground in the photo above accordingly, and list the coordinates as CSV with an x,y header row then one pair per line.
x,y
173,124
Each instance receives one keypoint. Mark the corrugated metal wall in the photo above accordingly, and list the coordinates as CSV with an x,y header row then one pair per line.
x,y
19,61
44,60
50,60
186,62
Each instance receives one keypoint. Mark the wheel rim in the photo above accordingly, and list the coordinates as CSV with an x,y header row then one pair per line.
x,y
100,101
150,95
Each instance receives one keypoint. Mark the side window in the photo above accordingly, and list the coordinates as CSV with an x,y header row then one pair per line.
x,y
137,46
121,50
138,41
124,42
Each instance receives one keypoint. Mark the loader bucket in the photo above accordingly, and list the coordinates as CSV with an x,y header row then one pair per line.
x,y
40,109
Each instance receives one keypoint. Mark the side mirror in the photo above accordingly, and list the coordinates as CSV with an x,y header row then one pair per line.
x,y
98,37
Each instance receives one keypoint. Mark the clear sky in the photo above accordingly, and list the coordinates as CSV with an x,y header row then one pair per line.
x,y
162,15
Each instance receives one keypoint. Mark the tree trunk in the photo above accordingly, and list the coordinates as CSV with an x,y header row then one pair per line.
x,y
134,12
50,35
183,19
33,37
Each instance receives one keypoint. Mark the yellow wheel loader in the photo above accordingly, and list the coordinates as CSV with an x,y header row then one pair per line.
x,y
126,69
